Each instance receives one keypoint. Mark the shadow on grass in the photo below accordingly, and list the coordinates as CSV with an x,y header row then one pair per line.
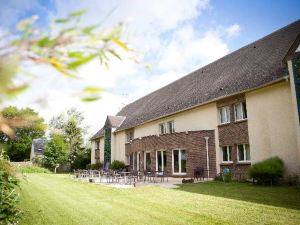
x,y
280,196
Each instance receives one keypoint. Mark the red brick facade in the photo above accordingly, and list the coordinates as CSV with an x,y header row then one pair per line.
x,y
231,134
193,142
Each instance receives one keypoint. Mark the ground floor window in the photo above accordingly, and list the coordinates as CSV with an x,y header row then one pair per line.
x,y
179,161
243,152
147,161
161,160
134,161
226,154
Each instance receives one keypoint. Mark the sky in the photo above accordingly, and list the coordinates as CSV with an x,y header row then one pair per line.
x,y
175,37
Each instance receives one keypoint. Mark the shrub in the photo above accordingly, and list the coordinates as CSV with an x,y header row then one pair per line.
x,y
9,198
117,165
32,169
268,171
38,160
227,175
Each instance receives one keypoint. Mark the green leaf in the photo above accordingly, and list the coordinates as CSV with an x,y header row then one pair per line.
x,y
89,29
121,44
16,90
80,62
77,13
75,54
62,20
90,99
46,42
93,89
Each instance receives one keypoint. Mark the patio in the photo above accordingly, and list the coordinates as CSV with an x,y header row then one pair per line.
x,y
121,179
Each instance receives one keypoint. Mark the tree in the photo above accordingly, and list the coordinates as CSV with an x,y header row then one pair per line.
x,y
18,147
56,152
70,127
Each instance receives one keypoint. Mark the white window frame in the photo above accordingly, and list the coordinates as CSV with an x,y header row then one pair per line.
x,y
228,153
245,153
145,163
164,128
138,156
129,137
243,113
227,110
162,159
173,127
179,158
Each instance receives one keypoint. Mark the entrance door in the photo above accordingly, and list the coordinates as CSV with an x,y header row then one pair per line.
x,y
161,160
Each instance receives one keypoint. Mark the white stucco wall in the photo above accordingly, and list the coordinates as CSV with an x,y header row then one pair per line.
x,y
271,124
118,146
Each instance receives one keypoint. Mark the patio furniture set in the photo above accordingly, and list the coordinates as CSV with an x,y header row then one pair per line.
x,y
120,177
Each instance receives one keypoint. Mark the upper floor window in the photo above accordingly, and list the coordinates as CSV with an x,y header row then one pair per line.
x,y
226,154
170,127
162,128
129,136
240,111
98,144
224,114
243,153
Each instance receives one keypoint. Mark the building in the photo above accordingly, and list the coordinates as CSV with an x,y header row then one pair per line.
x,y
231,113
37,147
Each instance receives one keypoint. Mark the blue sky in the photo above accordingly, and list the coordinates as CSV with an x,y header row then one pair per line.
x,y
174,36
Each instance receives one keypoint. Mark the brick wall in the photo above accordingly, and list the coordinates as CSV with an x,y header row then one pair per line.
x,y
232,134
193,142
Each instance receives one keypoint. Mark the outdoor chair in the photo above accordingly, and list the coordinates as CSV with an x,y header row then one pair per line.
x,y
162,175
199,172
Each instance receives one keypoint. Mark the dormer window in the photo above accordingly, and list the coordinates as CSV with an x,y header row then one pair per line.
x,y
129,136
162,128
170,127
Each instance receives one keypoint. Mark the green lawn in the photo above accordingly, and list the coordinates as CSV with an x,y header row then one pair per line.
x,y
58,200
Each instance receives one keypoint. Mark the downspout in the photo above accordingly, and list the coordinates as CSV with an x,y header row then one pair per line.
x,y
207,156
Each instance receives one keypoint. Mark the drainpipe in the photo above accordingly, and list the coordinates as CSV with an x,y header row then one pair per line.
x,y
207,157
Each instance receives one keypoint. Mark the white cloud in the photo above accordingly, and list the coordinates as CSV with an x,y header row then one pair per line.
x,y
159,31
233,30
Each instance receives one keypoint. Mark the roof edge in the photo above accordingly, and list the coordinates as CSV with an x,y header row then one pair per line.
x,y
211,101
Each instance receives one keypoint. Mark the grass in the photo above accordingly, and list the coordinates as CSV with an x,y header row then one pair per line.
x,y
57,199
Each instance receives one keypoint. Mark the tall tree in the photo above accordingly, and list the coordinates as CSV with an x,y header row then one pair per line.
x,y
18,147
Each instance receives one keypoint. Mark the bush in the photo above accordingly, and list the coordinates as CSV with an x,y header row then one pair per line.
x,y
9,198
227,175
268,171
96,166
38,160
117,165
32,169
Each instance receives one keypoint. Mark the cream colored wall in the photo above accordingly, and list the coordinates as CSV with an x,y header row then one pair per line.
x,y
118,146
94,145
272,130
201,118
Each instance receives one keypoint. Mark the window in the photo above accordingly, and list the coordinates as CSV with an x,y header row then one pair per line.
x,y
170,127
135,161
129,136
179,161
226,154
240,111
161,160
162,128
98,144
147,161
224,114
243,153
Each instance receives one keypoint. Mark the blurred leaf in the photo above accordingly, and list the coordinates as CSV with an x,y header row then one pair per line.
x,y
93,89
16,90
121,44
90,99
46,42
75,54
77,63
60,67
77,13
114,53
62,20
89,29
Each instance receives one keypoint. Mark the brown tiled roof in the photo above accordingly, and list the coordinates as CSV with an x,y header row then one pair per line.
x,y
252,66
111,121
